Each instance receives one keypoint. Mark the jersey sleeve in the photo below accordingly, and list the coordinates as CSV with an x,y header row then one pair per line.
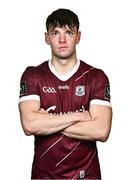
x,y
29,85
100,89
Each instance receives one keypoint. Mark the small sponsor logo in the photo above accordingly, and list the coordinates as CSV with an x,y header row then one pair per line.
x,y
107,92
23,88
82,174
80,90
49,89
63,87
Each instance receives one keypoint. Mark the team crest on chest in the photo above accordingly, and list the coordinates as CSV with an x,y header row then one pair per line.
x,y
80,90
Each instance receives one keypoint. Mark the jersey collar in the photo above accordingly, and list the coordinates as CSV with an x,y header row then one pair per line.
x,y
64,77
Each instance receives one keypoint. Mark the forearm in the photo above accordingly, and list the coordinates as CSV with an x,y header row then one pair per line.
x,y
45,124
37,123
82,131
89,130
95,129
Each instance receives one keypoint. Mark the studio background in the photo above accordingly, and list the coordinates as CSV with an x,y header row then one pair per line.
x,y
105,43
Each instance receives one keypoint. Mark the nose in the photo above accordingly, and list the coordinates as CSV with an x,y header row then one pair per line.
x,y
62,38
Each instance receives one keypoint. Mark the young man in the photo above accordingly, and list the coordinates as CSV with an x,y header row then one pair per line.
x,y
65,104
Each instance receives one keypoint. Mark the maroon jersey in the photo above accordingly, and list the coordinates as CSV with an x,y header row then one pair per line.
x,y
58,156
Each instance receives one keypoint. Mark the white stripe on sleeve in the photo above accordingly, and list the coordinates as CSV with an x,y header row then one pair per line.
x,y
29,97
100,102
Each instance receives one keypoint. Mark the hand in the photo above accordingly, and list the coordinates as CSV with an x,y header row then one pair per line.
x,y
84,116
43,111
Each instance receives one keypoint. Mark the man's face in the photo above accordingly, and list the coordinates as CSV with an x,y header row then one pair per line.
x,y
62,41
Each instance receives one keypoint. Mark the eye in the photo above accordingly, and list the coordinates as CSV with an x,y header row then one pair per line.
x,y
70,33
54,33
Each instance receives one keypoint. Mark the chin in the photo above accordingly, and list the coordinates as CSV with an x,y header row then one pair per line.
x,y
64,57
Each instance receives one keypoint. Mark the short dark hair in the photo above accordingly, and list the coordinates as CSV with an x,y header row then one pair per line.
x,y
61,18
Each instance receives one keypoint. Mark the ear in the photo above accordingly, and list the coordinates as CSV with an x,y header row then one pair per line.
x,y
47,38
78,37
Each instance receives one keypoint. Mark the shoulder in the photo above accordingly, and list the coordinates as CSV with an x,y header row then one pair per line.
x,y
38,67
91,71
85,66
35,70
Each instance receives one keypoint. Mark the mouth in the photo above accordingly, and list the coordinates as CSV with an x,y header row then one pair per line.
x,y
63,47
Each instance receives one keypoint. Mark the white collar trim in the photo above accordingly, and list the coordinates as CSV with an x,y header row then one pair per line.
x,y
64,77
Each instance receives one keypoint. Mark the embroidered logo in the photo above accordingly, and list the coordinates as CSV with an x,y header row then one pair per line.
x,y
64,87
80,90
49,89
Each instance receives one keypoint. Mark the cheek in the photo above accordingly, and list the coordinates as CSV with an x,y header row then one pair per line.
x,y
72,43
53,43
54,46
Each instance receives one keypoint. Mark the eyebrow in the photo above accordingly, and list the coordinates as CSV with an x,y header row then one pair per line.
x,y
72,28
66,29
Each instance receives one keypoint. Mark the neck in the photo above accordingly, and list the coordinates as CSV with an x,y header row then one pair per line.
x,y
63,66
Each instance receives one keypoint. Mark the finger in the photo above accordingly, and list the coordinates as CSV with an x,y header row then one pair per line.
x,y
42,110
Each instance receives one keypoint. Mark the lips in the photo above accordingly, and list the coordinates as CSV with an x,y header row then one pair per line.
x,y
63,47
